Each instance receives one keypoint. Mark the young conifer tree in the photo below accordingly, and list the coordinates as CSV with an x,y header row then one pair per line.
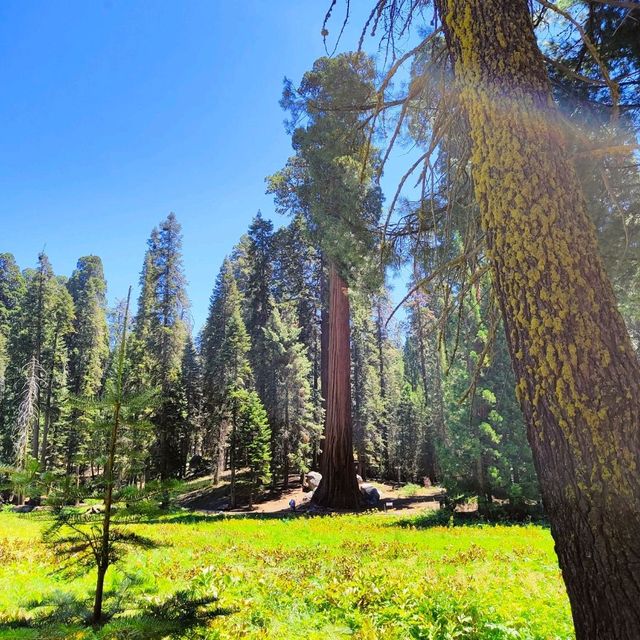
x,y
84,540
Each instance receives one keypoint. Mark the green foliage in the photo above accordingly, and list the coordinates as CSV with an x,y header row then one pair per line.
x,y
89,342
327,180
376,577
258,282
161,319
41,324
12,290
409,490
87,358
76,539
28,480
484,450
161,335
225,346
253,434
293,416
411,418
371,392
82,540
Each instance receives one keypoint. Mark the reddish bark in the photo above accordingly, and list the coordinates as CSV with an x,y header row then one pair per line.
x,y
339,487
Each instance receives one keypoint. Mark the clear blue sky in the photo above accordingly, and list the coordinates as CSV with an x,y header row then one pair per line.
x,y
116,112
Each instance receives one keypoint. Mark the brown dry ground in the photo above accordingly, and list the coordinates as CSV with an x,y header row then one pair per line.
x,y
206,497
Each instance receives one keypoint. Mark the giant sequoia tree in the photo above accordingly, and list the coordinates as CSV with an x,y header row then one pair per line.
x,y
326,180
578,378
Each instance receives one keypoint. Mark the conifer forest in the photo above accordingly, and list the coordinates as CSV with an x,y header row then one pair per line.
x,y
412,409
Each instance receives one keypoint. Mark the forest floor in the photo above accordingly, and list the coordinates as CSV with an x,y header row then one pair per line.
x,y
201,495
281,576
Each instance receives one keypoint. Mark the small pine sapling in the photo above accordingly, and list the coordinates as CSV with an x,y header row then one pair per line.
x,y
87,540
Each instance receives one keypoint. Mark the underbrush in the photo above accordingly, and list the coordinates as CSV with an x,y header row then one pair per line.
x,y
409,490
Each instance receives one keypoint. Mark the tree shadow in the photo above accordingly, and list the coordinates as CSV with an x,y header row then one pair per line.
x,y
146,619
447,518
217,516
194,515
216,498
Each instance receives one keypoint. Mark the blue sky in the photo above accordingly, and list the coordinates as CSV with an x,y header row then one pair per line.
x,y
116,112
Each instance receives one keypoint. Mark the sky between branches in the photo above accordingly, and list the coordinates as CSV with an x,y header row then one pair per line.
x,y
115,113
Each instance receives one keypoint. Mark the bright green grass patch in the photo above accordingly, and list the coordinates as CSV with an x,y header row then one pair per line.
x,y
358,576
409,490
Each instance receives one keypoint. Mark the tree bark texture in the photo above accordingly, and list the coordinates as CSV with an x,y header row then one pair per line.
x,y
338,487
578,378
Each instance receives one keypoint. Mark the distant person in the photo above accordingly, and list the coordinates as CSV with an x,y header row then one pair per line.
x,y
292,504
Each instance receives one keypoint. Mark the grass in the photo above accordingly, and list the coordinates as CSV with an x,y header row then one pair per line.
x,y
409,490
362,577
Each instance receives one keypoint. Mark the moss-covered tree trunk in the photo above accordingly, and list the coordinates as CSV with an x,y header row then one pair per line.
x,y
338,487
578,379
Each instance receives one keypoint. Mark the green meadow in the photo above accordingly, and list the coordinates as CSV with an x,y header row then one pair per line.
x,y
362,577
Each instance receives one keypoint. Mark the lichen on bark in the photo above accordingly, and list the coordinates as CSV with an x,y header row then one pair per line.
x,y
578,376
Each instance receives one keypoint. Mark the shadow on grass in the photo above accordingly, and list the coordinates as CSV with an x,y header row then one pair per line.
x,y
148,619
200,517
445,518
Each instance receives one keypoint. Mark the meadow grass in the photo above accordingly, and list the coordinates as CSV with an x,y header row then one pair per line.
x,y
363,577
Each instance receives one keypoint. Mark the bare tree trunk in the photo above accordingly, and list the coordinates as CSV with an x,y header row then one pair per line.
x,y
430,457
232,458
35,436
47,409
338,487
219,451
578,378
285,452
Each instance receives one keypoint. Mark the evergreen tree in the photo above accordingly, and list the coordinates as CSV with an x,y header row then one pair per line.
x,y
293,425
225,346
39,331
406,448
258,300
89,342
55,411
298,281
161,335
142,355
34,328
12,290
423,370
192,385
88,346
369,421
88,542
250,438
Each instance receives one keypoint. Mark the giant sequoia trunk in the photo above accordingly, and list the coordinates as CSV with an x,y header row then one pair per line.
x,y
339,487
578,379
